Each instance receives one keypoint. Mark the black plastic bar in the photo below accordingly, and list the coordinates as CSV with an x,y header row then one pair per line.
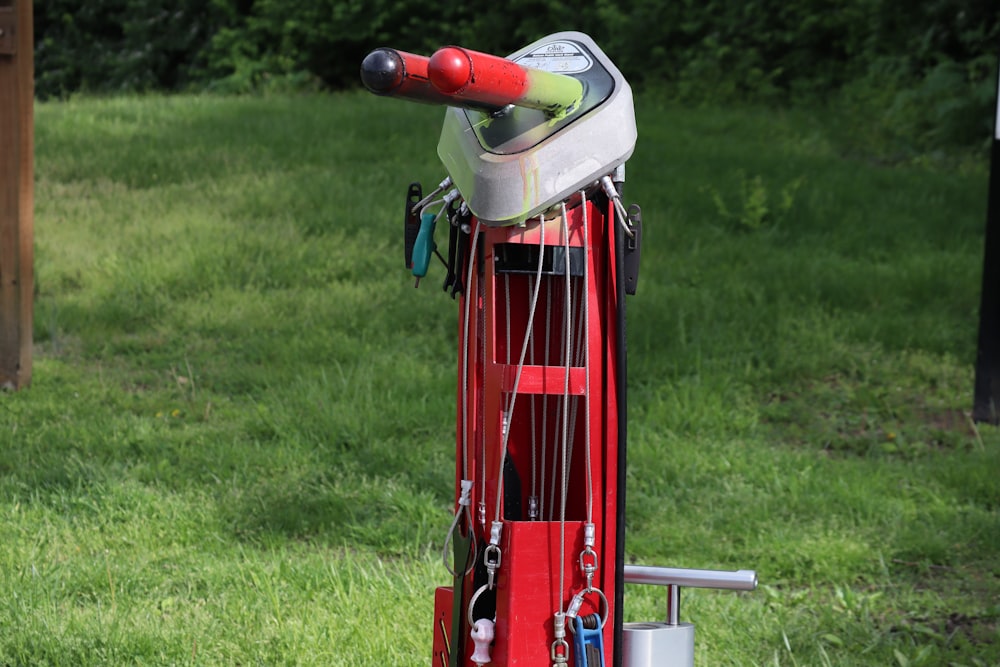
x,y
986,397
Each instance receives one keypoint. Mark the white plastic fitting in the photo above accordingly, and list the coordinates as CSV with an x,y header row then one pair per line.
x,y
482,637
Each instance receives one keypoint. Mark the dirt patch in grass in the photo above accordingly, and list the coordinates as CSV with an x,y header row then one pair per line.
x,y
843,416
953,629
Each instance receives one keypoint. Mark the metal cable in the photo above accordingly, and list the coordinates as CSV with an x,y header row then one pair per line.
x,y
565,416
534,427
520,367
465,354
545,397
481,399
466,490
578,300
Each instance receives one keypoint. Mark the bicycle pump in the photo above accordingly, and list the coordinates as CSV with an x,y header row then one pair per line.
x,y
541,254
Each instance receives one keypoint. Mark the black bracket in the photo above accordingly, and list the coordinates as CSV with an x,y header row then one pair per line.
x,y
633,249
411,222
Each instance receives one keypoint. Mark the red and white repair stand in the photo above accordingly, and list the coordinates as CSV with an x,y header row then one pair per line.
x,y
541,254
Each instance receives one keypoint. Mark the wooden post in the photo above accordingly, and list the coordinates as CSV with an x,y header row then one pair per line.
x,y
17,149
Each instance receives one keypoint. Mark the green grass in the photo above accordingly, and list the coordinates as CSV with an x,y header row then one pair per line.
x,y
238,445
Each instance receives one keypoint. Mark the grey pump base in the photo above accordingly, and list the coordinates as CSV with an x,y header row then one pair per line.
x,y
657,645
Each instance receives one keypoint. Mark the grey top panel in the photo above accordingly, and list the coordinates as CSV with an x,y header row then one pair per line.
x,y
514,166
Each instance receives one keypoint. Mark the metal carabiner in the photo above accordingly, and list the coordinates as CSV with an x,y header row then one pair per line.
x,y
604,609
588,565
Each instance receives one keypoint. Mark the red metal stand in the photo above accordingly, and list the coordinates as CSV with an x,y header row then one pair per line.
x,y
548,450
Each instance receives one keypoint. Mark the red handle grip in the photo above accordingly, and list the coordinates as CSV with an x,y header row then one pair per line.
x,y
395,73
464,78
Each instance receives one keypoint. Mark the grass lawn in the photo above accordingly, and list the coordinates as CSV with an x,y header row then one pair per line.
x,y
238,445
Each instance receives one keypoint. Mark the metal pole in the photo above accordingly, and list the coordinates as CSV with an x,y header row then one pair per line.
x,y
673,604
987,383
741,580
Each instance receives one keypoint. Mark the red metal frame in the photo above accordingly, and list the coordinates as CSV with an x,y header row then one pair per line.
x,y
528,580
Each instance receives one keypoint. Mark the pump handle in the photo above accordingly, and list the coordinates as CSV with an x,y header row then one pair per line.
x,y
464,78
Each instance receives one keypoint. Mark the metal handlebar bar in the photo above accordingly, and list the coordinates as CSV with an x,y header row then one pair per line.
x,y
674,578
741,580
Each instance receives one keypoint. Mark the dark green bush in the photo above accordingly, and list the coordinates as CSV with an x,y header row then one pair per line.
x,y
921,71
327,39
122,45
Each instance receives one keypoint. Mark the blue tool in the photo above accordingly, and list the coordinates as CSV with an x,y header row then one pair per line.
x,y
588,641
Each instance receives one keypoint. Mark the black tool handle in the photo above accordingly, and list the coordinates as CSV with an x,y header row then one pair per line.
x,y
633,250
411,222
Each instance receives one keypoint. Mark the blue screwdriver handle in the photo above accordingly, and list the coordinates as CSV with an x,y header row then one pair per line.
x,y
424,246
